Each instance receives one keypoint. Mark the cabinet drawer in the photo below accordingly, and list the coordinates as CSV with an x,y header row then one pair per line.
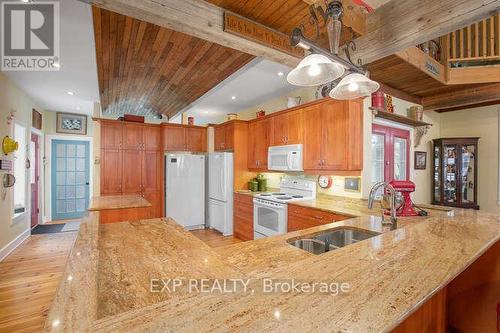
x,y
304,217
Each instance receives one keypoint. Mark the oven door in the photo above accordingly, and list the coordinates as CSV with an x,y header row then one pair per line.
x,y
269,218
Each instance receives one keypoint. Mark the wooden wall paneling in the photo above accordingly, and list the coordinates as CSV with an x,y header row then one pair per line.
x,y
147,69
111,134
111,171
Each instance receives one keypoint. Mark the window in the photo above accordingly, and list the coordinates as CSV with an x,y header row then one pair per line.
x,y
390,154
20,170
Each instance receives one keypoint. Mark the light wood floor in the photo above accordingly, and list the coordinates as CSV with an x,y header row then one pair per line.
x,y
28,280
214,238
29,277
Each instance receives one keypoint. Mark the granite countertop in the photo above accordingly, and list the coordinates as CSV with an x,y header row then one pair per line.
x,y
118,202
390,275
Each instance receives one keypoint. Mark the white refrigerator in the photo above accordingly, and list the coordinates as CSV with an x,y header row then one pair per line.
x,y
220,192
185,189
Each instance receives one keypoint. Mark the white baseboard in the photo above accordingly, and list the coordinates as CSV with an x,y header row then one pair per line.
x,y
7,249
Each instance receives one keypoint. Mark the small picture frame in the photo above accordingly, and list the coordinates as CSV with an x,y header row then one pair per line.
x,y
70,123
420,160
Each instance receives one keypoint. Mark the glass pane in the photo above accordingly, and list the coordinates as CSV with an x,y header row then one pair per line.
x,y
467,173
268,218
60,178
400,156
60,164
377,158
61,206
80,164
80,178
80,191
60,150
70,178
70,205
71,151
70,164
70,192
80,151
437,173
450,169
60,192
80,205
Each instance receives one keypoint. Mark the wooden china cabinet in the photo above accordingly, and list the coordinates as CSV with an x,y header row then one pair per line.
x,y
455,165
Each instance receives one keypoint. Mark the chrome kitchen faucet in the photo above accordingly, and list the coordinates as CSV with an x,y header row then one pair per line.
x,y
392,200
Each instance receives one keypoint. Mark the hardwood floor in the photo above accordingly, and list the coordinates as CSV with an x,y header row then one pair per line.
x,y
28,280
29,277
214,238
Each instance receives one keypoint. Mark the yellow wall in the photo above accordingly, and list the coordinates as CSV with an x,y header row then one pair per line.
x,y
483,123
13,99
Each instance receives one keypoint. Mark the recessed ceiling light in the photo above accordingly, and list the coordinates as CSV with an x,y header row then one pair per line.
x,y
233,97
281,73
70,93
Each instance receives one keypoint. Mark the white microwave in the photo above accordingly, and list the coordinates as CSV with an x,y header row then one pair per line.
x,y
285,158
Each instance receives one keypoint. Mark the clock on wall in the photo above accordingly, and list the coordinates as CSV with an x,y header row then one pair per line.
x,y
325,181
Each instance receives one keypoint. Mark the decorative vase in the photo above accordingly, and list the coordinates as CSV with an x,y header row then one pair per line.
x,y
9,145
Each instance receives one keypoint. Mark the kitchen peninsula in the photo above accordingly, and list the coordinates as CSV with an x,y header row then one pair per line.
x,y
390,276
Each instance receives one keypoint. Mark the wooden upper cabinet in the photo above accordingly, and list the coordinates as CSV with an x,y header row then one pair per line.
x,y
196,139
224,137
151,138
111,134
132,136
259,137
313,138
333,136
111,171
287,128
174,138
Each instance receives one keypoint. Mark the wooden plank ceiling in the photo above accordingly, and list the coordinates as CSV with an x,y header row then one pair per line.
x,y
147,70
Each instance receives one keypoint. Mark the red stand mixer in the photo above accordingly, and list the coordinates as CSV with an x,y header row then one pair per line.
x,y
404,205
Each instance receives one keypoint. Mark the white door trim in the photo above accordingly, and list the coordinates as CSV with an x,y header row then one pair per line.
x,y
41,183
48,161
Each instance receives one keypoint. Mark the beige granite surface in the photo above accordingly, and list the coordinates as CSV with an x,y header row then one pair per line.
x,y
389,276
117,202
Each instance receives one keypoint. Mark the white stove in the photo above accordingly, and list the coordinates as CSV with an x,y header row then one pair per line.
x,y
270,209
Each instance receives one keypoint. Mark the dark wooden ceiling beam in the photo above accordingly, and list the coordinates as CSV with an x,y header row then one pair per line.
x,y
463,98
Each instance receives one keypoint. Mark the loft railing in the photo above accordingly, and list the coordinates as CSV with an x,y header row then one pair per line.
x,y
479,42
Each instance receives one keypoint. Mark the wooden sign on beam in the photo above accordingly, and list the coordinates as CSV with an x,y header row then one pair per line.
x,y
245,28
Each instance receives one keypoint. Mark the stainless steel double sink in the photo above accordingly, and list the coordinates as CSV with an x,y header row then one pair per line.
x,y
330,240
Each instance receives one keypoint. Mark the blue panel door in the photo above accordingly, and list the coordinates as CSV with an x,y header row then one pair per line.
x,y
70,179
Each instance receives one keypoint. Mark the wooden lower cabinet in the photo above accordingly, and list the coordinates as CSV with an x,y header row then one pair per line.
x,y
243,216
303,217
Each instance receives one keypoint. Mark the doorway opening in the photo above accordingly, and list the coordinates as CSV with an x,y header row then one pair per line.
x,y
35,165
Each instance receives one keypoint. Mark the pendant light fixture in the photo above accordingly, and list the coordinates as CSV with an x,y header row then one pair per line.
x,y
353,86
315,70
322,66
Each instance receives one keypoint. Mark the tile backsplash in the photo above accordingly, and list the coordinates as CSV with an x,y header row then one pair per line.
x,y
273,180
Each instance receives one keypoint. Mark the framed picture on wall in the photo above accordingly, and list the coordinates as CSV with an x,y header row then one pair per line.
x,y
70,123
420,160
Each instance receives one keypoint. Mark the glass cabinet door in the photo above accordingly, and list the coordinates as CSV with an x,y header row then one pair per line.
x,y
437,173
450,173
467,173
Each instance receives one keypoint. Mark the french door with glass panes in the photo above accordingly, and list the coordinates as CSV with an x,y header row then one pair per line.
x,y
390,154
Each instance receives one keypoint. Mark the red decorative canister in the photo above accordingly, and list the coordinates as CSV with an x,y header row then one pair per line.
x,y
378,100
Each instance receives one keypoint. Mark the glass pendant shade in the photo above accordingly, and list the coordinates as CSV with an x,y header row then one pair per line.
x,y
353,86
315,70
